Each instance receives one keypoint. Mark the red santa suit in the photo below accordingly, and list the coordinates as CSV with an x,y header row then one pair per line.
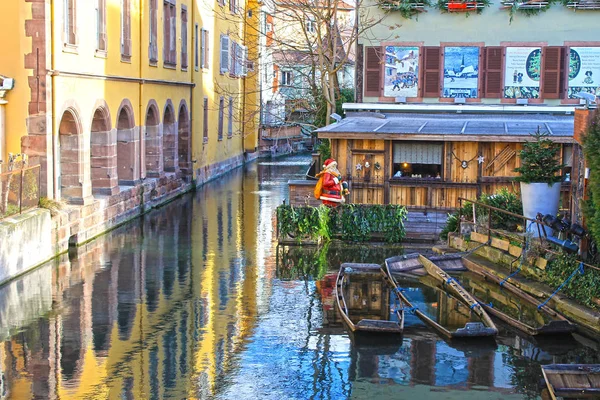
x,y
331,194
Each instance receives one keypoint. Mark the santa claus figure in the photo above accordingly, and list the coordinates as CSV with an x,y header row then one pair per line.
x,y
334,187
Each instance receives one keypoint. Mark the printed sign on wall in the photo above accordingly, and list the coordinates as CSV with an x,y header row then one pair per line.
x,y
522,71
584,71
401,71
461,71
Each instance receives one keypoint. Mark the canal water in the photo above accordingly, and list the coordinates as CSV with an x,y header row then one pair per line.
x,y
196,301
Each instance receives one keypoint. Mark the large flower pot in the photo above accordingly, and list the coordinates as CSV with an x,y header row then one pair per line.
x,y
539,198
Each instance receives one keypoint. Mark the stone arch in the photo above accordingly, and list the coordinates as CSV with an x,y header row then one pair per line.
x,y
153,139
128,146
103,151
72,182
184,139
170,138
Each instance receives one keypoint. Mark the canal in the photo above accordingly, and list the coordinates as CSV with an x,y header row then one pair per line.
x,y
196,301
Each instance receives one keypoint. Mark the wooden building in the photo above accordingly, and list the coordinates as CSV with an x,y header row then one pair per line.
x,y
427,156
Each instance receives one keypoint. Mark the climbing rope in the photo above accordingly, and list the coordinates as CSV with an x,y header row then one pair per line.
x,y
577,270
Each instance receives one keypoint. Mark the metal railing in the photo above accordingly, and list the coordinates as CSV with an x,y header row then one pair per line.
x,y
489,219
19,188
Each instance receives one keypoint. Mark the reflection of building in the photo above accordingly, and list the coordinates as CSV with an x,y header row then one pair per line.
x,y
132,318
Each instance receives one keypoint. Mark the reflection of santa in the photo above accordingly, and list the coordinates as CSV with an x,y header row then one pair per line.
x,y
408,63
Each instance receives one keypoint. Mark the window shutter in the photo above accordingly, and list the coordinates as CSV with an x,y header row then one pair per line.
x,y
184,52
494,57
205,120
224,54
244,63
551,66
127,28
203,49
373,66
206,44
230,120
431,71
173,44
153,48
221,112
72,24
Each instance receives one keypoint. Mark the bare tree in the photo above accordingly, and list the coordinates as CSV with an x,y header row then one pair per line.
x,y
315,38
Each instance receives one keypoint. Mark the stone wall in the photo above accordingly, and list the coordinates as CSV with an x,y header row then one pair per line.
x,y
24,242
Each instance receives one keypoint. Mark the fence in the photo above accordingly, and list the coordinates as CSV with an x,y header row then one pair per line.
x,y
493,221
19,188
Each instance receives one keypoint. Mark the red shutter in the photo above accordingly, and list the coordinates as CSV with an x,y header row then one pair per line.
x,y
494,57
551,76
373,66
431,71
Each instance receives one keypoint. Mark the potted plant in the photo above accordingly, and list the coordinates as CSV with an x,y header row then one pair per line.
x,y
540,182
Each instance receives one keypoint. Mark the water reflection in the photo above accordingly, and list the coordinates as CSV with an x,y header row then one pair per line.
x,y
195,300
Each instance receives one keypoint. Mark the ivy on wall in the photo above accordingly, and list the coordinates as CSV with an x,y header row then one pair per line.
x,y
583,288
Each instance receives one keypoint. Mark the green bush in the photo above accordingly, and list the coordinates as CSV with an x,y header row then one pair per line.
x,y
591,148
351,222
503,199
583,288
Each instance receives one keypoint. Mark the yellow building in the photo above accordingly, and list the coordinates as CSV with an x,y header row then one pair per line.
x,y
125,93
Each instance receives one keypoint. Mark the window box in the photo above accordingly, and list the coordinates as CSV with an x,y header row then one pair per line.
x,y
406,8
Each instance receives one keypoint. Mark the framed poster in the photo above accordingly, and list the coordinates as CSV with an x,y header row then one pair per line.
x,y
461,72
584,71
401,71
522,71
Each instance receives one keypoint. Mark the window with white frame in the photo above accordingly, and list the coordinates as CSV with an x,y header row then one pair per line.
x,y
310,25
286,78
204,48
69,25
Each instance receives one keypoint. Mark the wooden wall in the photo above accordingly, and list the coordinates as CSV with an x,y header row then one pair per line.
x,y
375,186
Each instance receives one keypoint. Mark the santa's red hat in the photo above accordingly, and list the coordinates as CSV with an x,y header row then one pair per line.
x,y
329,161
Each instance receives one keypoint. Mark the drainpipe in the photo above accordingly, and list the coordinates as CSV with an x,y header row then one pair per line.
x,y
53,108
141,115
192,69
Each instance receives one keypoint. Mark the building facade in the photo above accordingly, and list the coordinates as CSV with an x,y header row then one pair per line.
x,y
443,111
127,102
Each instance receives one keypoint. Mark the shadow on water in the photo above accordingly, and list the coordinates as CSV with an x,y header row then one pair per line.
x,y
195,300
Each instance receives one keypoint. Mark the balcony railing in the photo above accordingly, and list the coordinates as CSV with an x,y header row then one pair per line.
x,y
19,187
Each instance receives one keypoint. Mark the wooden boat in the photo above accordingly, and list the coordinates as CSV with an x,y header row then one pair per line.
x,y
456,289
533,321
410,263
362,297
572,380
482,328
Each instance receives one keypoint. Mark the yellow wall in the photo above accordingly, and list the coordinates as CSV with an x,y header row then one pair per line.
x,y
108,78
12,65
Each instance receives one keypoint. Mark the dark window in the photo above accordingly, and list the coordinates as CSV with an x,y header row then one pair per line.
x,y
221,112
493,72
170,31
205,120
196,48
230,120
553,59
431,74
417,160
286,78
